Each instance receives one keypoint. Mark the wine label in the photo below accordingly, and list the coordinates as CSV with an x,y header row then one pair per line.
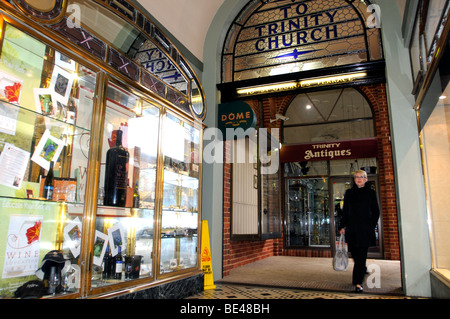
x,y
48,190
121,176
119,266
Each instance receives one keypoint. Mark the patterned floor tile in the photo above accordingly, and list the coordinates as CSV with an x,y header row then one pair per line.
x,y
228,291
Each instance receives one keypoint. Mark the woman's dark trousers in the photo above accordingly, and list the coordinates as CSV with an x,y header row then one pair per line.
x,y
359,255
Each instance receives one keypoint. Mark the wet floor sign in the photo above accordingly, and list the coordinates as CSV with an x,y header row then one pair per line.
x,y
206,263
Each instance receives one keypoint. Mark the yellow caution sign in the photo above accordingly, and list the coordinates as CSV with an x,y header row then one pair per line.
x,y
206,264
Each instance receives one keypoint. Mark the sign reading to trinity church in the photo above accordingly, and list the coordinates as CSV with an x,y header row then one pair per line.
x,y
285,36
298,27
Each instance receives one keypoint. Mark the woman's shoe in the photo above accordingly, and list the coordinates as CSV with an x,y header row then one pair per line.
x,y
358,289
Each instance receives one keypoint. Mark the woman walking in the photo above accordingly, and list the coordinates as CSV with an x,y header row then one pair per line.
x,y
359,219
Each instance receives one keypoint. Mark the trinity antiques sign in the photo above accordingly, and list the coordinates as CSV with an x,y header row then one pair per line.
x,y
335,150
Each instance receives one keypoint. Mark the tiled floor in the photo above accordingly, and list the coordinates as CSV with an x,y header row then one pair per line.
x,y
229,291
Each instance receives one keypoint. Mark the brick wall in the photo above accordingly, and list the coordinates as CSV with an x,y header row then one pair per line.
x,y
239,253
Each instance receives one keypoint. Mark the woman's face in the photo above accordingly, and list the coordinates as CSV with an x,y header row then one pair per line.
x,y
360,180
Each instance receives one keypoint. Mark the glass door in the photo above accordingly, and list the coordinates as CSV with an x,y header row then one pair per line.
x,y
338,188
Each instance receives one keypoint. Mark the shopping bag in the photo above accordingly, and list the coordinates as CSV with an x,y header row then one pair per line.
x,y
340,260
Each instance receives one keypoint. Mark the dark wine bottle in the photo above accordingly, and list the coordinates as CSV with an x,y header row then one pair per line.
x,y
116,174
119,265
49,183
106,270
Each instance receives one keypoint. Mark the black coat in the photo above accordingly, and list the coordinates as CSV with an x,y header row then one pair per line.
x,y
360,216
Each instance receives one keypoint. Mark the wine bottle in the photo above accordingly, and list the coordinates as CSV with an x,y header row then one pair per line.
x,y
119,265
48,183
106,270
116,174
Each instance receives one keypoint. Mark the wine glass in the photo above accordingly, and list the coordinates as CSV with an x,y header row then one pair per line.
x,y
54,279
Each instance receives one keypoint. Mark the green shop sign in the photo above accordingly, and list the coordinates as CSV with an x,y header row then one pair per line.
x,y
236,115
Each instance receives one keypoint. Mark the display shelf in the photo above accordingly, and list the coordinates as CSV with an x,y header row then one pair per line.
x,y
32,141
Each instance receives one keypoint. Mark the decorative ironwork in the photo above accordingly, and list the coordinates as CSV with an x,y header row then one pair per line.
x,y
286,36
177,99
123,65
82,38
153,84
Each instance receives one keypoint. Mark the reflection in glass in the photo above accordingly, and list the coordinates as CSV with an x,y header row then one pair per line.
x,y
340,114
129,229
308,220
180,195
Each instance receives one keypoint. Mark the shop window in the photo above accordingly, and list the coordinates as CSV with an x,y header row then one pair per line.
x,y
109,186
180,202
126,202
256,210
47,101
314,202
436,149
429,48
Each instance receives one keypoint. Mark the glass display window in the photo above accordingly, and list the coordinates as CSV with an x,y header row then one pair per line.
x,y
124,228
46,102
180,202
91,203
308,219
435,134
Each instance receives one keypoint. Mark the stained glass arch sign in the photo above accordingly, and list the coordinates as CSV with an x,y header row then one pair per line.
x,y
270,38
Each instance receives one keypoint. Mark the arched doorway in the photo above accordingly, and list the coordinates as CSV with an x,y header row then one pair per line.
x,y
332,134
277,51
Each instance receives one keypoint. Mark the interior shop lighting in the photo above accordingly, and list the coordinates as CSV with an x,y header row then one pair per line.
x,y
319,81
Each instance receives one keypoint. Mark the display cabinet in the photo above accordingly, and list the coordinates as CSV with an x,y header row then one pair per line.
x,y
45,116
100,188
180,206
308,219
124,228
